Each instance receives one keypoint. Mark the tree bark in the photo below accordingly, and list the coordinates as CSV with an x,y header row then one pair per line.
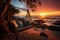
x,y
5,9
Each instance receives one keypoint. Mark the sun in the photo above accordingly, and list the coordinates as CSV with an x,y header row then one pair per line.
x,y
43,15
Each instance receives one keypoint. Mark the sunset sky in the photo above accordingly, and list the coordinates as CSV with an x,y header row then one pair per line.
x,y
48,7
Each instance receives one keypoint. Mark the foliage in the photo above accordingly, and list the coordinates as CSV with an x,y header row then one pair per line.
x,y
12,9
32,4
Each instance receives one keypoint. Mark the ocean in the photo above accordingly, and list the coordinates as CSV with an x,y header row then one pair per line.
x,y
50,20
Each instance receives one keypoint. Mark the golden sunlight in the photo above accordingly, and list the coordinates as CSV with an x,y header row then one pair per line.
x,y
43,15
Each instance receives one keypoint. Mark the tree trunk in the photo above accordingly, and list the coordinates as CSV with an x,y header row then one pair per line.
x,y
5,9
28,16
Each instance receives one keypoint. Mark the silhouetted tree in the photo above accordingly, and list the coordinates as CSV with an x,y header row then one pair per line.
x,y
31,4
3,7
6,15
11,11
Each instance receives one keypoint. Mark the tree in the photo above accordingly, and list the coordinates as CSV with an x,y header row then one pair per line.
x,y
3,7
31,4
11,11
7,16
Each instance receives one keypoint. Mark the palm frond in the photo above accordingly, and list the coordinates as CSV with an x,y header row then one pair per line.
x,y
31,3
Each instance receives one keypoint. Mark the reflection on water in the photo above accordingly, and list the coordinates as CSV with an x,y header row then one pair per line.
x,y
50,21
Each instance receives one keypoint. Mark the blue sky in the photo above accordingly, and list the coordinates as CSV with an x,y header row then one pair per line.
x,y
16,3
